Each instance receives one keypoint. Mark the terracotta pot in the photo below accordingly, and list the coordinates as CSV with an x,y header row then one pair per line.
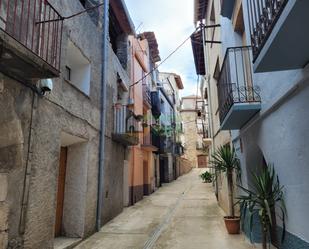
x,y
232,224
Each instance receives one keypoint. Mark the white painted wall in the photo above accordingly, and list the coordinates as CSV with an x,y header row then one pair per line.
x,y
280,131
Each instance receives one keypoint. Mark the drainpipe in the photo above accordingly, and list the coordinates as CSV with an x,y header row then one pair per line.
x,y
104,79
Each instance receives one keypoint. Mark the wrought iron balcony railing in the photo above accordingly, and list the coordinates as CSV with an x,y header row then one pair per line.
x,y
263,15
126,126
235,84
36,25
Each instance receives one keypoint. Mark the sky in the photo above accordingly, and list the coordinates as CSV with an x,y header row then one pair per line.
x,y
172,22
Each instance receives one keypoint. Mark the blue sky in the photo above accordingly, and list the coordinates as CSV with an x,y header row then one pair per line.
x,y
172,22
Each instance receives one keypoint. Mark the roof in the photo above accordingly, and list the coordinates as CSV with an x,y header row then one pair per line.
x,y
123,16
200,7
178,81
198,52
191,97
153,45
177,78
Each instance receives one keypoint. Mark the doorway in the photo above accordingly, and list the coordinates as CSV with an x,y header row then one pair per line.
x,y
60,191
202,161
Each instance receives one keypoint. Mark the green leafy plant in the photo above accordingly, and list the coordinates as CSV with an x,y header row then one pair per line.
x,y
225,160
265,197
206,177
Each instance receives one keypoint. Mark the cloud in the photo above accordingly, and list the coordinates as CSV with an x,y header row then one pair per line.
x,y
172,22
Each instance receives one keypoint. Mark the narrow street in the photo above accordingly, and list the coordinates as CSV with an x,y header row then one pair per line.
x,y
182,214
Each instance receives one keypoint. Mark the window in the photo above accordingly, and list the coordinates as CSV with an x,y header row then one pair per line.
x,y
67,73
77,69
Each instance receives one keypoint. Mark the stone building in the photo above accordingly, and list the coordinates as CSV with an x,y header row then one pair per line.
x,y
195,130
262,77
49,144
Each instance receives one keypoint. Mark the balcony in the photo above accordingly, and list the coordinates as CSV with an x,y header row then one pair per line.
x,y
126,126
147,140
146,95
239,99
157,140
278,35
155,104
30,42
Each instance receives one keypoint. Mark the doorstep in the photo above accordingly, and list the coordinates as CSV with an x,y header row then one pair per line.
x,y
66,243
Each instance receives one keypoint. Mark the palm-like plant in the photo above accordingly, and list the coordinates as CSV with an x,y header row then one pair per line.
x,y
225,160
265,197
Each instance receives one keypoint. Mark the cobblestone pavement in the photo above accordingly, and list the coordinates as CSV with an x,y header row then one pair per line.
x,y
181,215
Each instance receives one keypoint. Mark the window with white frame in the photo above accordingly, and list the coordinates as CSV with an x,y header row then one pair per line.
x,y
77,69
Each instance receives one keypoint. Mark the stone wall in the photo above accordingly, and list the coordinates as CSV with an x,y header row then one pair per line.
x,y
185,166
68,110
190,133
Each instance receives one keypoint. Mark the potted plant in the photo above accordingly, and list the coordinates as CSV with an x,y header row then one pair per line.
x,y
225,160
206,177
264,198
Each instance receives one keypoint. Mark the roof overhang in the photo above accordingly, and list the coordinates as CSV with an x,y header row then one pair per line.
x,y
153,45
198,52
123,16
200,8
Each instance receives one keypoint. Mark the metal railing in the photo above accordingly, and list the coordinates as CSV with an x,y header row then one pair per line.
x,y
263,15
125,122
36,25
235,84
146,94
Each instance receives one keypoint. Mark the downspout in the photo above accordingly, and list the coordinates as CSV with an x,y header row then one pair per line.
x,y
104,79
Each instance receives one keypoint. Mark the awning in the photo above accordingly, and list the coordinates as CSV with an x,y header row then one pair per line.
x,y
198,52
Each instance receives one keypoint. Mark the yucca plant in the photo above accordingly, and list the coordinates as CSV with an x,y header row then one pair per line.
x,y
265,197
225,160
206,177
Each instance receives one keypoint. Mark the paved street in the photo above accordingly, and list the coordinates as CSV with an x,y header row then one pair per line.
x,y
180,215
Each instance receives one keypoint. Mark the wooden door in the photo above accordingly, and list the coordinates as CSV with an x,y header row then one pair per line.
x,y
202,161
60,192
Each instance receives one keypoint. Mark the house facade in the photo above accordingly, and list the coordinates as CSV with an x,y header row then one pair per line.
x,y
195,131
262,94
51,80
141,174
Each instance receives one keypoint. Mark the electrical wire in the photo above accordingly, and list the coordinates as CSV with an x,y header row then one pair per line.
x,y
163,61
